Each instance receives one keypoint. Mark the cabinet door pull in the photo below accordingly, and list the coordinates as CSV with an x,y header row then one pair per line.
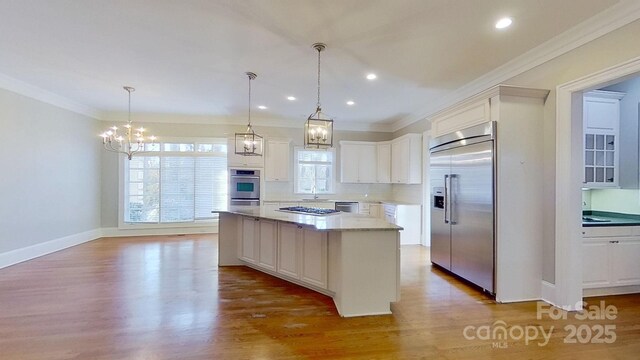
x,y
614,241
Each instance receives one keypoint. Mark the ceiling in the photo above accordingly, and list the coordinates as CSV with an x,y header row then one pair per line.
x,y
189,57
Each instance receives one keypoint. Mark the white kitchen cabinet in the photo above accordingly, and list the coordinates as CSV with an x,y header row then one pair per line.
x,y
375,210
302,254
268,242
625,258
383,171
406,159
370,209
601,119
289,238
249,246
358,162
407,216
595,263
277,160
314,258
234,160
610,257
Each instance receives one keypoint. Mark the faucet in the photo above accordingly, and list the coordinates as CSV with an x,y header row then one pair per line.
x,y
313,191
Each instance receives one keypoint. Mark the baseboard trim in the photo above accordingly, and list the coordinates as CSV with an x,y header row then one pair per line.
x,y
548,292
614,290
116,232
31,252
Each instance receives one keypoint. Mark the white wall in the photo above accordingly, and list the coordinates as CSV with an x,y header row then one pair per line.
x,y
50,164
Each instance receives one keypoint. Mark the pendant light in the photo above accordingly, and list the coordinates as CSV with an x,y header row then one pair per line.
x,y
132,141
249,143
318,130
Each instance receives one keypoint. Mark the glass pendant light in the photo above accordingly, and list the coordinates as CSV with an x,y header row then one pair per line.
x,y
249,143
318,130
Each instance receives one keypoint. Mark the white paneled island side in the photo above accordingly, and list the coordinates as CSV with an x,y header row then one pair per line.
x,y
353,258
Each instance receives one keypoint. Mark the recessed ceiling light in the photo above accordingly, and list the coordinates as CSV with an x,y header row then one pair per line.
x,y
350,102
291,98
371,76
503,23
262,107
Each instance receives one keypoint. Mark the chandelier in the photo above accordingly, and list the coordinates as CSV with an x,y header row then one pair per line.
x,y
132,141
249,143
318,130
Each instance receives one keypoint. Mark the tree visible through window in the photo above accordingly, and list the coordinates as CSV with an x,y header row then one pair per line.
x,y
176,182
315,171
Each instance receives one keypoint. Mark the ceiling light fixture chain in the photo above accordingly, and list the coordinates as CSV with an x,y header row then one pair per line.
x,y
114,142
251,77
319,47
248,143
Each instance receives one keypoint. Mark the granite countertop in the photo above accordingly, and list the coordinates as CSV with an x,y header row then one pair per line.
x,y
335,222
593,218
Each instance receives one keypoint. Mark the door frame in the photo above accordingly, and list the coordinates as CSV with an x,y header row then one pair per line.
x,y
567,291
426,190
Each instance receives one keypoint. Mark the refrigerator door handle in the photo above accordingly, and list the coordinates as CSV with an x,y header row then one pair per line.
x,y
446,199
452,218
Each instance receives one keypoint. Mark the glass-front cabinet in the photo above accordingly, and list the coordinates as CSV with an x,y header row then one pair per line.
x,y
601,116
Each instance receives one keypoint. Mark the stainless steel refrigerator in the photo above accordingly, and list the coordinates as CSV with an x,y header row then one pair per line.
x,y
462,174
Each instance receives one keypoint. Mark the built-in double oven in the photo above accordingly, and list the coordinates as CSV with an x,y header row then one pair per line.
x,y
244,187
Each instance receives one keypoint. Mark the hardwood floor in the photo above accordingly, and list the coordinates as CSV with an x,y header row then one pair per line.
x,y
165,298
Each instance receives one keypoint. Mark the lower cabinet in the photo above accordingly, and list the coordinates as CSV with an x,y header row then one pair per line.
x,y
302,254
610,261
288,249
314,258
268,244
249,246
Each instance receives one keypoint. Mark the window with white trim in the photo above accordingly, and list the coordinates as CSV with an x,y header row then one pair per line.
x,y
314,171
176,182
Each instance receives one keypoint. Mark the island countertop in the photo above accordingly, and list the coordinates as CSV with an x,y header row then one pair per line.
x,y
335,222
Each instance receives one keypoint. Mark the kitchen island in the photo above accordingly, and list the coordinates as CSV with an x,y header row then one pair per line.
x,y
355,259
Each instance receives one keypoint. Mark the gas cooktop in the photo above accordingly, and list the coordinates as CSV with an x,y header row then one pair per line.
x,y
309,210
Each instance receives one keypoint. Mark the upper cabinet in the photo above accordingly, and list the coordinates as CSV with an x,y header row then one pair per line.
x,y
358,162
601,119
406,159
234,160
277,160
383,175
398,161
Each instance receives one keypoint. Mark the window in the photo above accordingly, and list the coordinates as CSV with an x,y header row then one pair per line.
x,y
314,171
176,182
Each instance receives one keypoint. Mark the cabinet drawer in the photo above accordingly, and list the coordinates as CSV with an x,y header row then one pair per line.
x,y
607,231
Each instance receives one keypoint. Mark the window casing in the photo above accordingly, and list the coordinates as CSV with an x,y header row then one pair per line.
x,y
314,171
175,182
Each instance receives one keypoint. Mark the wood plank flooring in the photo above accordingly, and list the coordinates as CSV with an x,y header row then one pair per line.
x,y
164,297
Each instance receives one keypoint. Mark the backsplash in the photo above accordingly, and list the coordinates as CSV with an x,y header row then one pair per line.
x,y
626,201
360,192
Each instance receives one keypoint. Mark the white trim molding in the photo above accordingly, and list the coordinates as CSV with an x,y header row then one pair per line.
x,y
30,252
34,92
548,291
613,18
115,232
569,129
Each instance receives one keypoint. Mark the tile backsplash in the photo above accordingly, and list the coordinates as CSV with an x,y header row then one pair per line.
x,y
625,201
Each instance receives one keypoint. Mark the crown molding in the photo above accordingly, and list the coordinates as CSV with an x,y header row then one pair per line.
x,y
238,121
34,92
601,24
